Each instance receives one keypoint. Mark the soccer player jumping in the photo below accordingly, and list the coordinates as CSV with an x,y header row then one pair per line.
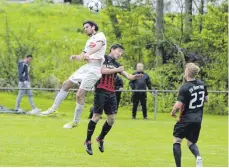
x,y
105,98
87,75
190,102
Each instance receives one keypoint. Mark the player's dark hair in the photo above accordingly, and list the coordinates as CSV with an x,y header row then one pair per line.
x,y
92,24
29,56
115,46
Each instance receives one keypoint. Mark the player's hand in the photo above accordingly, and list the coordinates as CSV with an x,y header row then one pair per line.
x,y
86,56
75,57
138,76
120,69
173,115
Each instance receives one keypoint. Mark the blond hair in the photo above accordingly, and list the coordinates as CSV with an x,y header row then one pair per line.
x,y
193,70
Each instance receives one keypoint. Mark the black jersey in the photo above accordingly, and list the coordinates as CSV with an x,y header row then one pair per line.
x,y
107,81
192,94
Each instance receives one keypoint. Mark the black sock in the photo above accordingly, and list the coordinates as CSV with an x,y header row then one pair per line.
x,y
90,130
194,149
106,128
177,154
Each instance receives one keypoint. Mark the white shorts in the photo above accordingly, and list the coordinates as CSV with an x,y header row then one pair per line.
x,y
86,76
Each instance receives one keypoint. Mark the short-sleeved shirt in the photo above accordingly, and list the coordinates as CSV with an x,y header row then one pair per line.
x,y
107,81
91,43
192,94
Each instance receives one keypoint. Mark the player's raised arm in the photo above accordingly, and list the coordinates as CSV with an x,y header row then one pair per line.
x,y
131,77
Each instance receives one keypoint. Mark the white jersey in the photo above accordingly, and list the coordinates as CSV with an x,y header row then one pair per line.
x,y
91,43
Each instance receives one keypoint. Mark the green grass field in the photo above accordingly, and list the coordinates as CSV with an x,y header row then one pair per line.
x,y
42,141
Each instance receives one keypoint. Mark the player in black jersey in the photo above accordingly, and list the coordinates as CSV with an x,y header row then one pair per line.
x,y
105,98
190,102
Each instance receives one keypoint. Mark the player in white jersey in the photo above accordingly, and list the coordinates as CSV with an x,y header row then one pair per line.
x,y
87,75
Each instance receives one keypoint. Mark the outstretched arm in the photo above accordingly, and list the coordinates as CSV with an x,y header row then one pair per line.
x,y
131,77
106,70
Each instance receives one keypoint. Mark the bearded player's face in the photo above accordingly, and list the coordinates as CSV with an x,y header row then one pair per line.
x,y
117,53
88,29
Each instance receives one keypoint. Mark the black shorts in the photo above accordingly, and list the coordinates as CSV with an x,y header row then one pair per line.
x,y
190,131
104,100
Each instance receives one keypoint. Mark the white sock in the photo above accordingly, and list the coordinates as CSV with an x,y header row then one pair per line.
x,y
78,111
59,98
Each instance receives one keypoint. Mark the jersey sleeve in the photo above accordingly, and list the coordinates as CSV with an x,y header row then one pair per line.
x,y
100,38
181,95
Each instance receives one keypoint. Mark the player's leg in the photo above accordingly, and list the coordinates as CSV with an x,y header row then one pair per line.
x,y
192,138
105,129
91,112
62,94
177,151
99,100
80,94
144,105
179,132
20,95
110,108
91,75
90,130
135,100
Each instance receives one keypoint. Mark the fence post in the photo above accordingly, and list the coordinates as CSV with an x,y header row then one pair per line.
x,y
155,104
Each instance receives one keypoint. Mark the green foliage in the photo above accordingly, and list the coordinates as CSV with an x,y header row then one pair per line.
x,y
53,32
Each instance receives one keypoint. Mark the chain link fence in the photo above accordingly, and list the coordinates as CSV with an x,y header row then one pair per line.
x,y
158,96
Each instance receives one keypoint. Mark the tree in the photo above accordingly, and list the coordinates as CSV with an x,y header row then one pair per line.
x,y
113,19
159,30
188,21
201,12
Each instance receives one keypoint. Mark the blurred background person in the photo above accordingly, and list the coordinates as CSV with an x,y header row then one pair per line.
x,y
140,84
24,83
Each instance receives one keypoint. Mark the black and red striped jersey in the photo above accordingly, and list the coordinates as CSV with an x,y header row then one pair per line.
x,y
107,81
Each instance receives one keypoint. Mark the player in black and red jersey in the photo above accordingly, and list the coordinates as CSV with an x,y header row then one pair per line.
x,y
190,102
104,96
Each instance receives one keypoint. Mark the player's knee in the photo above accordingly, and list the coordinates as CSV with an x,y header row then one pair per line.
x,y
189,143
177,140
66,85
79,97
110,120
96,117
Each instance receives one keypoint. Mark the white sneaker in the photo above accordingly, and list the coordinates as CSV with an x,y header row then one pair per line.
x,y
199,161
35,111
70,125
20,110
47,112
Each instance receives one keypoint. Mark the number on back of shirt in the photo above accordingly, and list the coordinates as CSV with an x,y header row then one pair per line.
x,y
197,100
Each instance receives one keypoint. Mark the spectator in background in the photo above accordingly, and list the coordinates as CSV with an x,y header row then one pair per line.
x,y
140,84
24,83
118,86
